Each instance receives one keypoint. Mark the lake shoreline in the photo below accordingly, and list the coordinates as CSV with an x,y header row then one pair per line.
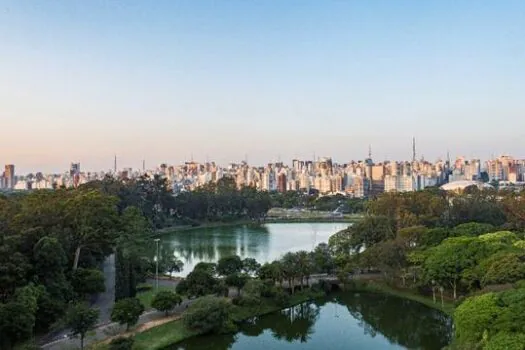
x,y
208,225
174,332
382,288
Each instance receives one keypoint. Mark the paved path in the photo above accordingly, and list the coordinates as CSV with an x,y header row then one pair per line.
x,y
111,329
103,301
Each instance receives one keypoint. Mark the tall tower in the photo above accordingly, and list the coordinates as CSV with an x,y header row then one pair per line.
x,y
143,165
369,151
413,149
115,165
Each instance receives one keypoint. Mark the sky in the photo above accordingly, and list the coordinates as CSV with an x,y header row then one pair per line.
x,y
168,80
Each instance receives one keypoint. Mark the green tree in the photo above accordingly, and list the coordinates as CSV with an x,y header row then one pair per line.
x,y
236,280
471,229
446,263
199,283
229,265
80,319
475,316
322,259
506,341
166,301
93,217
209,314
250,266
87,281
503,268
127,311
290,269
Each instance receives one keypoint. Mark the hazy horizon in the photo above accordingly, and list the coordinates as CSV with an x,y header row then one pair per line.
x,y
161,81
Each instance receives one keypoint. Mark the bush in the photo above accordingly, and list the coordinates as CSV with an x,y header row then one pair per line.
x,y
246,300
268,291
209,314
121,343
127,311
166,300
281,298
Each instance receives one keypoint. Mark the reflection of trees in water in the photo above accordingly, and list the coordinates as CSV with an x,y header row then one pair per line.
x,y
401,321
292,324
213,244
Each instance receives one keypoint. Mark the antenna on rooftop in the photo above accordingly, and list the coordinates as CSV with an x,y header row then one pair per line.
x,y
413,149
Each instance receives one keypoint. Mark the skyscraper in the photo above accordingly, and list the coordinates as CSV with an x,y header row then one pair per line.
x,y
9,176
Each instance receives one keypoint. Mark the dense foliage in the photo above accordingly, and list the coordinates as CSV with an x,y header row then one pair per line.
x,y
455,244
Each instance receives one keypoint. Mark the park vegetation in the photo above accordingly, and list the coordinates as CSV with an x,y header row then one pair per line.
x,y
53,244
467,248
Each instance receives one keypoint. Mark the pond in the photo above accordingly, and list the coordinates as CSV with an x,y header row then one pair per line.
x,y
343,320
264,242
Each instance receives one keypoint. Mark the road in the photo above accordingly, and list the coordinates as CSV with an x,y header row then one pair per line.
x,y
103,301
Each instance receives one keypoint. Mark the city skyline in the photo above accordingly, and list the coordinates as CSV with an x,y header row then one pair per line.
x,y
85,80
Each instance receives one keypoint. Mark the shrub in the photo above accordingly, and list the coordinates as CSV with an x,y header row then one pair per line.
x,y
166,300
282,298
209,314
121,343
127,311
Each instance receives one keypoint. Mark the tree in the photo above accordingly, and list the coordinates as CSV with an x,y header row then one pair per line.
x,y
236,280
304,266
199,283
127,311
80,318
474,316
369,231
210,268
209,314
166,300
229,265
290,269
250,266
93,217
322,259
506,341
446,263
173,265
87,281
471,229
503,268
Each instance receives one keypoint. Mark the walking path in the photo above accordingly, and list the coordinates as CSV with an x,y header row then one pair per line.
x,y
112,329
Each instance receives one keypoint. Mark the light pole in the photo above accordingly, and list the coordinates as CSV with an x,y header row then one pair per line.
x,y
157,240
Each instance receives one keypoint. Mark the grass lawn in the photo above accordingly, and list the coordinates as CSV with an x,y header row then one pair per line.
x,y
162,336
174,331
147,297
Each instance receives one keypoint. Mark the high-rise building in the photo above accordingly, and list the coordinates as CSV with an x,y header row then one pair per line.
x,y
281,182
9,175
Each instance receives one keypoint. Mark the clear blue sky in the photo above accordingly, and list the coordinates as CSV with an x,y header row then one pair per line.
x,y
82,80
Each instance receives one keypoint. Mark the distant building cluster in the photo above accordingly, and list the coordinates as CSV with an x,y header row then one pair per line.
x,y
355,179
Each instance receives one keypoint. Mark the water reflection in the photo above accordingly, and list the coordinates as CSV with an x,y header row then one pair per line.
x,y
264,243
344,321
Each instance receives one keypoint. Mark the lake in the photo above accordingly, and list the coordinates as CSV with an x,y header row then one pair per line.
x,y
344,320
265,242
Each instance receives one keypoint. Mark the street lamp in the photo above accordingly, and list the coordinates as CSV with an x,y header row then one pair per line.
x,y
157,240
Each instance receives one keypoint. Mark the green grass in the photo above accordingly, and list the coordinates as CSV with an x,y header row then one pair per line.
x,y
378,287
173,332
163,336
147,297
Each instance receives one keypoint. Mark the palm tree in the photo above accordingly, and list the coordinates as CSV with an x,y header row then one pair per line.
x,y
304,266
290,269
